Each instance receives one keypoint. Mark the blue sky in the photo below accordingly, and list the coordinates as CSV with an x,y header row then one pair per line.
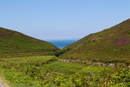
x,y
62,19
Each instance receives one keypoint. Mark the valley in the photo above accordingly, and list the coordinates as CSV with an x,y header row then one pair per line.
x,y
100,59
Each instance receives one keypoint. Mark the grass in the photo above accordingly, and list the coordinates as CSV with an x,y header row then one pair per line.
x,y
75,44
15,78
10,69
13,43
29,59
96,71
46,71
109,44
63,68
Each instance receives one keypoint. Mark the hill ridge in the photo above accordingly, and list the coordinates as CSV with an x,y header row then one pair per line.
x,y
13,42
110,44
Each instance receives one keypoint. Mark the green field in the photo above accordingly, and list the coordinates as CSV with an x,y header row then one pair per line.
x,y
46,71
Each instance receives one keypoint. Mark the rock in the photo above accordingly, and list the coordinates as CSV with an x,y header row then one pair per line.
x,y
111,65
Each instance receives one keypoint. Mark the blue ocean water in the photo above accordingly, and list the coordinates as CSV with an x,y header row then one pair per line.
x,y
61,43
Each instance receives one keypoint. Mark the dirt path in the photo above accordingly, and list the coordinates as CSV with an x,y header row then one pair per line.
x,y
3,82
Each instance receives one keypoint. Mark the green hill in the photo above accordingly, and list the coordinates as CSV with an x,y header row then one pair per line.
x,y
109,44
13,43
73,45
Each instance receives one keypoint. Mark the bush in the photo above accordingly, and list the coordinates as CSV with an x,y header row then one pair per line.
x,y
60,52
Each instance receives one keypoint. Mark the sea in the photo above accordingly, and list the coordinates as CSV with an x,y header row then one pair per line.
x,y
61,43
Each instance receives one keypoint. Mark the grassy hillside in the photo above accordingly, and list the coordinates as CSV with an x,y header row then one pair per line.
x,y
109,44
73,45
13,43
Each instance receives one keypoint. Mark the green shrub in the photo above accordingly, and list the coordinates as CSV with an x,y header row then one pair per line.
x,y
60,52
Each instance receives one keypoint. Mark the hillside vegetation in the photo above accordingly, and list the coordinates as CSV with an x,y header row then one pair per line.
x,y
73,45
46,71
13,43
111,44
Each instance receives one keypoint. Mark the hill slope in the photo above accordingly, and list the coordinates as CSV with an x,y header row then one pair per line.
x,y
13,43
73,45
109,44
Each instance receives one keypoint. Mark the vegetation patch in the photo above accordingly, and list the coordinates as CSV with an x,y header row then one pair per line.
x,y
14,44
46,71
111,45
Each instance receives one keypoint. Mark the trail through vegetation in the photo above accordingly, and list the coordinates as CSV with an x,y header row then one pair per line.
x,y
47,71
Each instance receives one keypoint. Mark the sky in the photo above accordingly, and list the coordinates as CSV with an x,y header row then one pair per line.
x,y
62,19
